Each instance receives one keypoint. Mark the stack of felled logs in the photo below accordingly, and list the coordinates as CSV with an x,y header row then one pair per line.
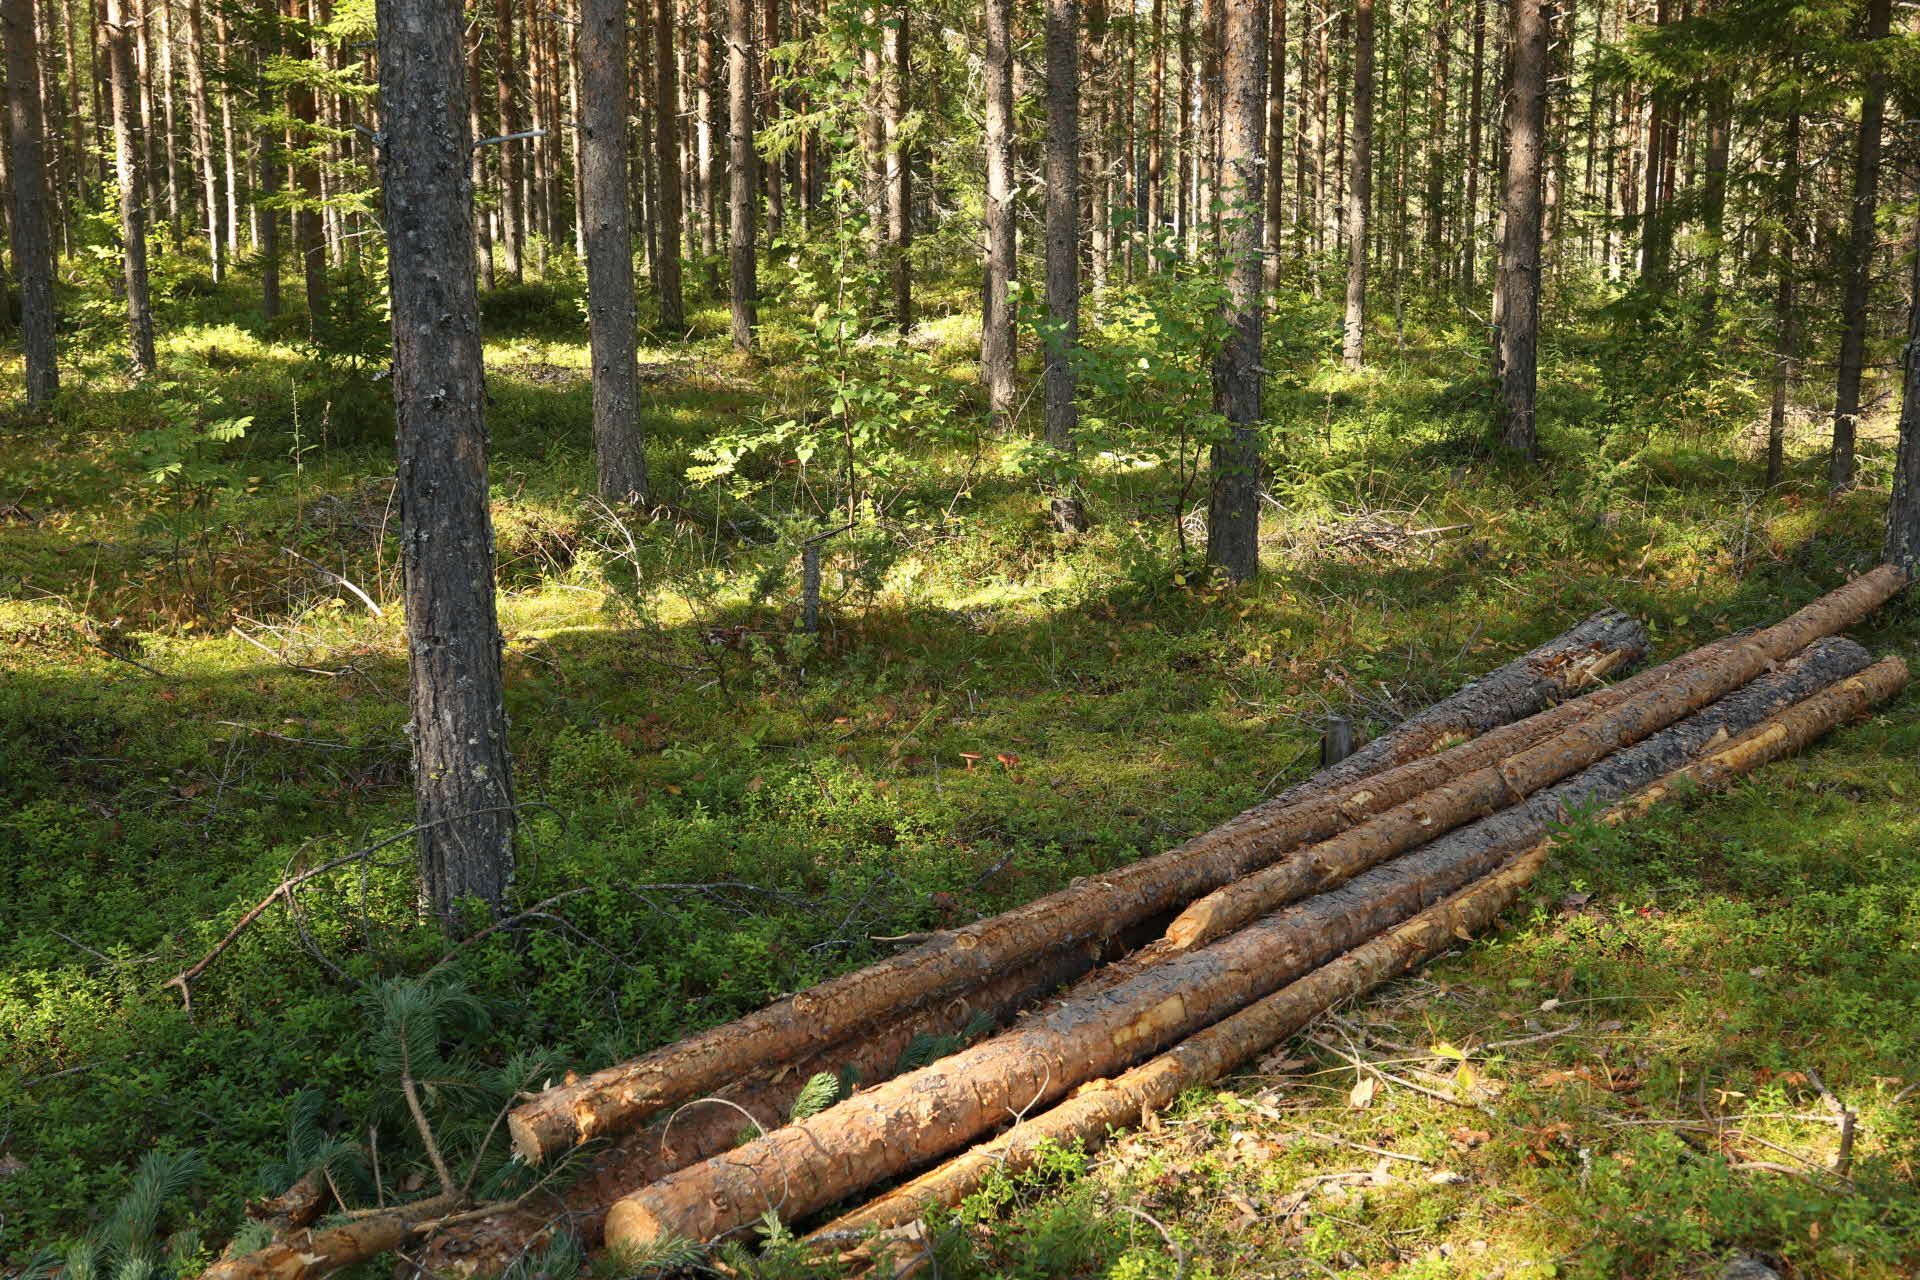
x,y
1111,996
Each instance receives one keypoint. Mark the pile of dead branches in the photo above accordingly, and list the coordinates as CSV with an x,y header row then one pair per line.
x,y
1110,997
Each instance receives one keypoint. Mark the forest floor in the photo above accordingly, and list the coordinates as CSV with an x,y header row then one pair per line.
x,y
1623,1080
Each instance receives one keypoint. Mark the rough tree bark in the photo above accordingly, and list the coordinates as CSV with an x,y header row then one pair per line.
x,y
1470,212
741,161
615,1098
32,240
1785,340
462,772
1903,510
1359,187
1276,141
203,150
1233,500
506,68
618,445
899,169
706,158
666,142
997,348
1063,251
1859,259
133,210
1519,330
1156,141
309,237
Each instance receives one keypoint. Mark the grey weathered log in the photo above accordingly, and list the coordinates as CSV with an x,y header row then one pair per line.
x,y
618,445
1538,678
32,242
462,780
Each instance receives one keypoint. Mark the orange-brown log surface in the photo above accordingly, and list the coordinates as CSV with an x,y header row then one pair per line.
x,y
1493,787
1104,1105
803,1167
619,1097
304,1255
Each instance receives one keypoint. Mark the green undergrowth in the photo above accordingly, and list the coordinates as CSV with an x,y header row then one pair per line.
x,y
719,808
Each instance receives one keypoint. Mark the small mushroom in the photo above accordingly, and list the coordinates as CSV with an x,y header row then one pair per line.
x,y
970,757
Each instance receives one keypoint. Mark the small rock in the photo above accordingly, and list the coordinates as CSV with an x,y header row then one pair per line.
x,y
1445,1178
1744,1266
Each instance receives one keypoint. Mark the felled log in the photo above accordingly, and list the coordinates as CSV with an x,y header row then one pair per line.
x,y
1497,785
1404,884
1576,659
707,1126
887,1130
303,1255
619,1097
1105,1105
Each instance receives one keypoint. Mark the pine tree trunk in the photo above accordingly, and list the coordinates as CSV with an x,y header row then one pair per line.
x,y
169,152
1206,159
268,157
1859,258
705,153
666,146
899,168
462,770
309,239
1519,323
1063,249
1436,194
482,221
1183,213
740,168
1359,186
1233,502
32,239
619,446
1093,109
1785,339
1276,143
1156,142
229,138
1470,215
997,350
203,141
133,212
1903,510
506,74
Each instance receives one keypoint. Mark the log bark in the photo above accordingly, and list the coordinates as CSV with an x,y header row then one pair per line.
x,y
1489,789
706,1127
308,1254
618,1097
1102,1106
1442,865
1577,657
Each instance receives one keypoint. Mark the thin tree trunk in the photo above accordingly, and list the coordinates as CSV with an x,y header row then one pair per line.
x,y
899,169
1359,186
133,213
1233,500
1276,200
666,113
1183,213
1476,89
1520,251
741,160
1206,158
1859,259
269,154
462,770
309,238
169,146
506,73
1063,250
1156,141
1436,193
1785,340
705,154
203,141
32,241
229,136
1903,511
619,447
997,349
482,221
1093,108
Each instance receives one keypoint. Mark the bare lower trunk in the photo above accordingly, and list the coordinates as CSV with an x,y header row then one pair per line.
x,y
32,240
1519,321
203,141
462,770
1859,261
1063,253
1359,186
1233,501
740,167
506,66
619,446
900,171
997,348
133,212
666,146
1785,340
1903,510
